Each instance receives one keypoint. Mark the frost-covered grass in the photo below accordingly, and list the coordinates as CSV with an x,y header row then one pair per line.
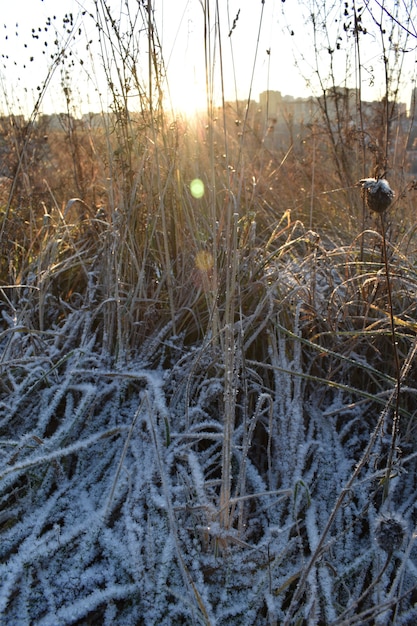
x,y
207,407
113,462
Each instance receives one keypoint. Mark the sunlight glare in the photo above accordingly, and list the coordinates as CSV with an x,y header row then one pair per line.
x,y
186,96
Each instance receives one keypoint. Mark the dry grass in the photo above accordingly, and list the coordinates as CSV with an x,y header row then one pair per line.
x,y
202,417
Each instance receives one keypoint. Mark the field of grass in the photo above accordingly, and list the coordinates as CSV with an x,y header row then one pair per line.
x,y
207,399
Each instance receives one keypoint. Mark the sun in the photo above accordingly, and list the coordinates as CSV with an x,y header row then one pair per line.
x,y
188,102
186,96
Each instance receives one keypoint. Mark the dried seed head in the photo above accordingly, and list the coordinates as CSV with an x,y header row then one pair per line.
x,y
390,531
378,193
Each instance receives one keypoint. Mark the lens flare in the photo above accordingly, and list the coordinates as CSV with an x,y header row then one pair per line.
x,y
202,276
204,261
197,188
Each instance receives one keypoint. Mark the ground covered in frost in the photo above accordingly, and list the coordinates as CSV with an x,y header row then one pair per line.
x,y
110,472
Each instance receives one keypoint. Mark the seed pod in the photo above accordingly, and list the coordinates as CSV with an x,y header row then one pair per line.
x,y
378,193
390,531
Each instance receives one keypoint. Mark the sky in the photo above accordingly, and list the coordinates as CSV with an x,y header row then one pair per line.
x,y
251,46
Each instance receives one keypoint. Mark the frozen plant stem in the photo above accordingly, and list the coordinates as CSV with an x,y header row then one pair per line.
x,y
230,368
379,196
395,417
232,219
122,458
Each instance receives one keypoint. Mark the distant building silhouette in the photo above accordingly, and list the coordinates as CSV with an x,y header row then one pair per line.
x,y
286,121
